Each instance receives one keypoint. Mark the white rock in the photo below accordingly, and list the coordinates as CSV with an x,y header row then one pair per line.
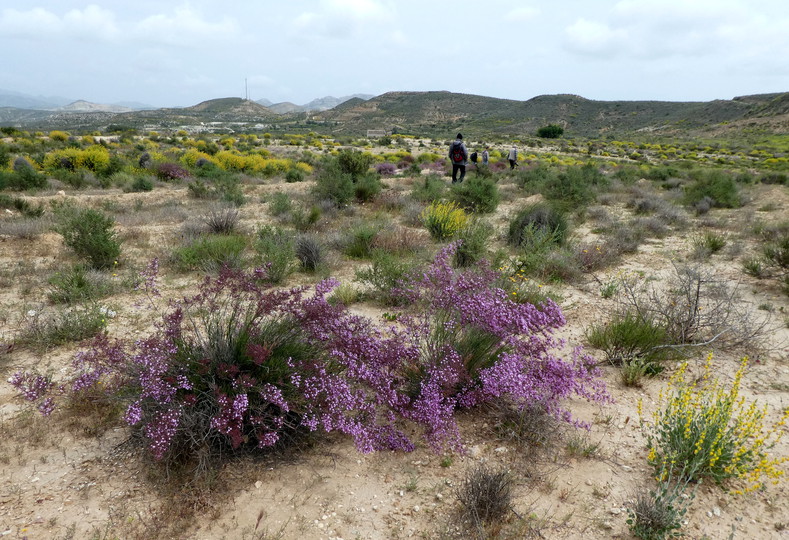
x,y
501,450
716,512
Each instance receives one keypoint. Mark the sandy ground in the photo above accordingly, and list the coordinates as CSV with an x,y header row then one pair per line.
x,y
61,479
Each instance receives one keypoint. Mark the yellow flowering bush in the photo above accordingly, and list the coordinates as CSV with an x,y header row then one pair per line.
x,y
444,220
707,430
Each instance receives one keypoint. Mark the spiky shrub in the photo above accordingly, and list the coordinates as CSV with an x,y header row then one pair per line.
x,y
277,250
477,194
485,495
658,514
366,187
705,430
90,234
222,219
444,220
310,252
360,239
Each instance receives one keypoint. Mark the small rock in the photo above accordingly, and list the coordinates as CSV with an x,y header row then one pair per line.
x,y
416,508
616,511
716,512
258,484
501,450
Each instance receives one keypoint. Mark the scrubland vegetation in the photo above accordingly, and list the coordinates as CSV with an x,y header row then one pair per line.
x,y
221,301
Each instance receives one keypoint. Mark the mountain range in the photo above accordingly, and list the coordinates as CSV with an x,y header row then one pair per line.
x,y
435,113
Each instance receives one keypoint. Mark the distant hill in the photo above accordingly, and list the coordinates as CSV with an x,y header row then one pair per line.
x,y
85,106
446,112
320,104
438,114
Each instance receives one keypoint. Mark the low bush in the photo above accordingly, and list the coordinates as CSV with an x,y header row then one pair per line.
x,y
21,205
485,495
478,194
444,220
703,429
385,277
310,252
277,251
536,226
210,253
431,189
717,187
629,338
90,234
359,241
43,329
575,188
474,241
78,284
366,187
222,219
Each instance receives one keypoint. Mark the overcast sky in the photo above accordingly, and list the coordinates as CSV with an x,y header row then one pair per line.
x,y
164,53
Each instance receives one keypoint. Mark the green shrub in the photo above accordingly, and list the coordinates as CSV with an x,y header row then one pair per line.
x,y
366,187
277,250
354,163
385,276
334,185
629,338
210,253
477,194
574,188
280,204
295,175
444,220
534,178
43,329
474,240
78,284
21,205
141,183
537,225
429,190
658,514
551,131
89,233
717,186
360,240
304,220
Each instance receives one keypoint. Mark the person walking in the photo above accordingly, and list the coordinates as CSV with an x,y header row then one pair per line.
x,y
512,157
485,156
458,155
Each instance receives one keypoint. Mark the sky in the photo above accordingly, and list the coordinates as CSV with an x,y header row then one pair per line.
x,y
163,53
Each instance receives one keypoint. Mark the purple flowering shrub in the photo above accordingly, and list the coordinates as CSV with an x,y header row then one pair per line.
x,y
240,365
171,171
385,168
478,346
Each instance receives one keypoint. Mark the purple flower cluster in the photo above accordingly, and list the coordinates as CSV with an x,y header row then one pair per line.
x,y
240,364
385,168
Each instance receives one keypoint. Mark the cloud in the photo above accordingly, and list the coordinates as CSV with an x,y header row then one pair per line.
x,y
93,23
342,19
594,38
645,29
185,28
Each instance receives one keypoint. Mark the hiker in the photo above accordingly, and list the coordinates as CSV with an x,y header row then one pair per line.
x,y
485,156
512,157
458,156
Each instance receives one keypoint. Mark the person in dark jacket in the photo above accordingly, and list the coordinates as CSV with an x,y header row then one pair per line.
x,y
458,156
